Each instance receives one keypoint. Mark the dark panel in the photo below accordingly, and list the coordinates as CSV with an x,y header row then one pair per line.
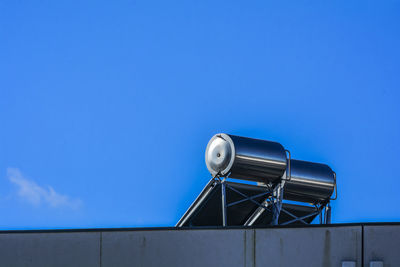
x,y
297,210
208,211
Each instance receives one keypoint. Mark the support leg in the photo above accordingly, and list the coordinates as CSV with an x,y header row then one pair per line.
x,y
277,204
259,211
223,198
328,214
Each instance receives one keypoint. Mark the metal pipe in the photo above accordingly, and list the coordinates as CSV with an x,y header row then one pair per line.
x,y
289,170
223,198
334,177
259,211
197,202
328,214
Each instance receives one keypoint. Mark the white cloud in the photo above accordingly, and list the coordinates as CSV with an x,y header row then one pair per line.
x,y
37,195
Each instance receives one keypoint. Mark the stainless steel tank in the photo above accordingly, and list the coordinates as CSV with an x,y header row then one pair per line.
x,y
310,182
245,158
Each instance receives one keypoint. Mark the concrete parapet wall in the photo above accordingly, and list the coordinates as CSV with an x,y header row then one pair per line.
x,y
306,246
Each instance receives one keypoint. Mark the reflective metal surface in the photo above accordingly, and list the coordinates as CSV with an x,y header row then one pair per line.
x,y
310,182
245,158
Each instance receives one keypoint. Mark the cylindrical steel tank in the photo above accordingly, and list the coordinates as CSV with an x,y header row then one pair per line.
x,y
245,158
310,182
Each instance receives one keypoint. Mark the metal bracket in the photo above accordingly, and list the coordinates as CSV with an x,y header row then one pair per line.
x,y
335,189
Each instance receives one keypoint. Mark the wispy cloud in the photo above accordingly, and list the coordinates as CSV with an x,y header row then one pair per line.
x,y
38,195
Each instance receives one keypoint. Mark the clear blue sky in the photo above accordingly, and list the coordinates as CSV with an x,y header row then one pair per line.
x,y
106,107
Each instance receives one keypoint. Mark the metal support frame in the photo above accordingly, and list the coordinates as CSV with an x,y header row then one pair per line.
x,y
272,203
277,202
328,213
277,197
224,206
301,219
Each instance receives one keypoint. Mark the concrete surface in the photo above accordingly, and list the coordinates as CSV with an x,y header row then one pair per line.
x,y
50,249
336,245
325,246
382,244
174,248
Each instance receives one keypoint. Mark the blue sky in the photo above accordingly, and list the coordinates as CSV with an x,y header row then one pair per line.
x,y
106,107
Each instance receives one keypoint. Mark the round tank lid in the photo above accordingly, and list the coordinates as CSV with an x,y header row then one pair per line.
x,y
220,154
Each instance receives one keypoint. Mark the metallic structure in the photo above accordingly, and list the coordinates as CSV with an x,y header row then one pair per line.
x,y
310,182
276,181
245,158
